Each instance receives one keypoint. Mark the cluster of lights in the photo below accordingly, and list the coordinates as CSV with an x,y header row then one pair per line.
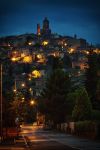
x,y
41,58
27,59
15,59
71,50
36,74
44,43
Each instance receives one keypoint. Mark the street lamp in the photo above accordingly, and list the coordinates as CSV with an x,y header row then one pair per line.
x,y
15,87
23,84
32,102
1,100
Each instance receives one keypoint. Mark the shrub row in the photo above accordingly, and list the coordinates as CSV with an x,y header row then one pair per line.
x,y
85,126
96,115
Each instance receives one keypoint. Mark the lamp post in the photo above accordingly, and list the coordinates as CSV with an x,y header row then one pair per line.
x,y
32,102
1,119
15,87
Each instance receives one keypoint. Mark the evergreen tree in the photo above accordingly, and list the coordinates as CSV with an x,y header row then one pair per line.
x,y
54,62
92,77
83,108
54,103
98,95
67,61
71,99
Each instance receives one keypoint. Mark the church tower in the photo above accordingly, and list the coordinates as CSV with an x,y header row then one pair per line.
x,y
38,29
45,29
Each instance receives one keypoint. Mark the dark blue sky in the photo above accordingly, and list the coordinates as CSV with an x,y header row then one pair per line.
x,y
67,17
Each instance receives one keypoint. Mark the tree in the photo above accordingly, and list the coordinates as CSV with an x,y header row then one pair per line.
x,y
92,76
67,61
71,99
54,62
53,97
83,108
98,95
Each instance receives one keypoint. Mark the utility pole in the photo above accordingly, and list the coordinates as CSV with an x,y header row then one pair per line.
x,y
1,119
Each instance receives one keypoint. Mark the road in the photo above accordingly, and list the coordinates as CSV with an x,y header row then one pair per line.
x,y
35,138
38,139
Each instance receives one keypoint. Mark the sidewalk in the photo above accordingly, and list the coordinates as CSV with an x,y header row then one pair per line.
x,y
80,143
13,144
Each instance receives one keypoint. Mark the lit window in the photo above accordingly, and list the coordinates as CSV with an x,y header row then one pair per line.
x,y
27,59
36,74
45,43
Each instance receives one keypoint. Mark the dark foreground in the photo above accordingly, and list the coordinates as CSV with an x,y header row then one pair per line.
x,y
19,144
35,138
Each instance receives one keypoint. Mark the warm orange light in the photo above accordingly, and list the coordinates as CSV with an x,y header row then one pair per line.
x,y
30,89
87,52
13,59
39,56
14,90
45,43
15,52
39,33
71,50
29,43
22,55
27,59
65,44
32,102
36,74
29,79
23,85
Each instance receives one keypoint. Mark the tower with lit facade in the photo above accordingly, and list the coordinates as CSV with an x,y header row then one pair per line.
x,y
38,29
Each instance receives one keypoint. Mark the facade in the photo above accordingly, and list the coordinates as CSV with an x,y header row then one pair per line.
x,y
38,30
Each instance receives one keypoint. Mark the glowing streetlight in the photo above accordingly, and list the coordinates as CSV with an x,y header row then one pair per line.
x,y
32,102
23,98
13,59
23,84
29,43
15,90
29,79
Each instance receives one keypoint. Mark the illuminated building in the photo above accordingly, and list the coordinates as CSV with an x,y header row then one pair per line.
x,y
36,74
27,59
38,29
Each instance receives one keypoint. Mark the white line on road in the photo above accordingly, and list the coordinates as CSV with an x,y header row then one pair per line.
x,y
26,144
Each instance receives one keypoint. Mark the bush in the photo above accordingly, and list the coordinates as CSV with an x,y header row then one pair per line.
x,y
85,126
96,115
83,108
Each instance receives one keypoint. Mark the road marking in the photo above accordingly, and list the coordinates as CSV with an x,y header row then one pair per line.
x,y
40,140
26,144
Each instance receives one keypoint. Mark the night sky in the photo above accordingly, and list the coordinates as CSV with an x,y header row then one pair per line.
x,y
67,17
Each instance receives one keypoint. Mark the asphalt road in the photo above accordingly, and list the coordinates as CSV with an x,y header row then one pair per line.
x,y
35,138
38,139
